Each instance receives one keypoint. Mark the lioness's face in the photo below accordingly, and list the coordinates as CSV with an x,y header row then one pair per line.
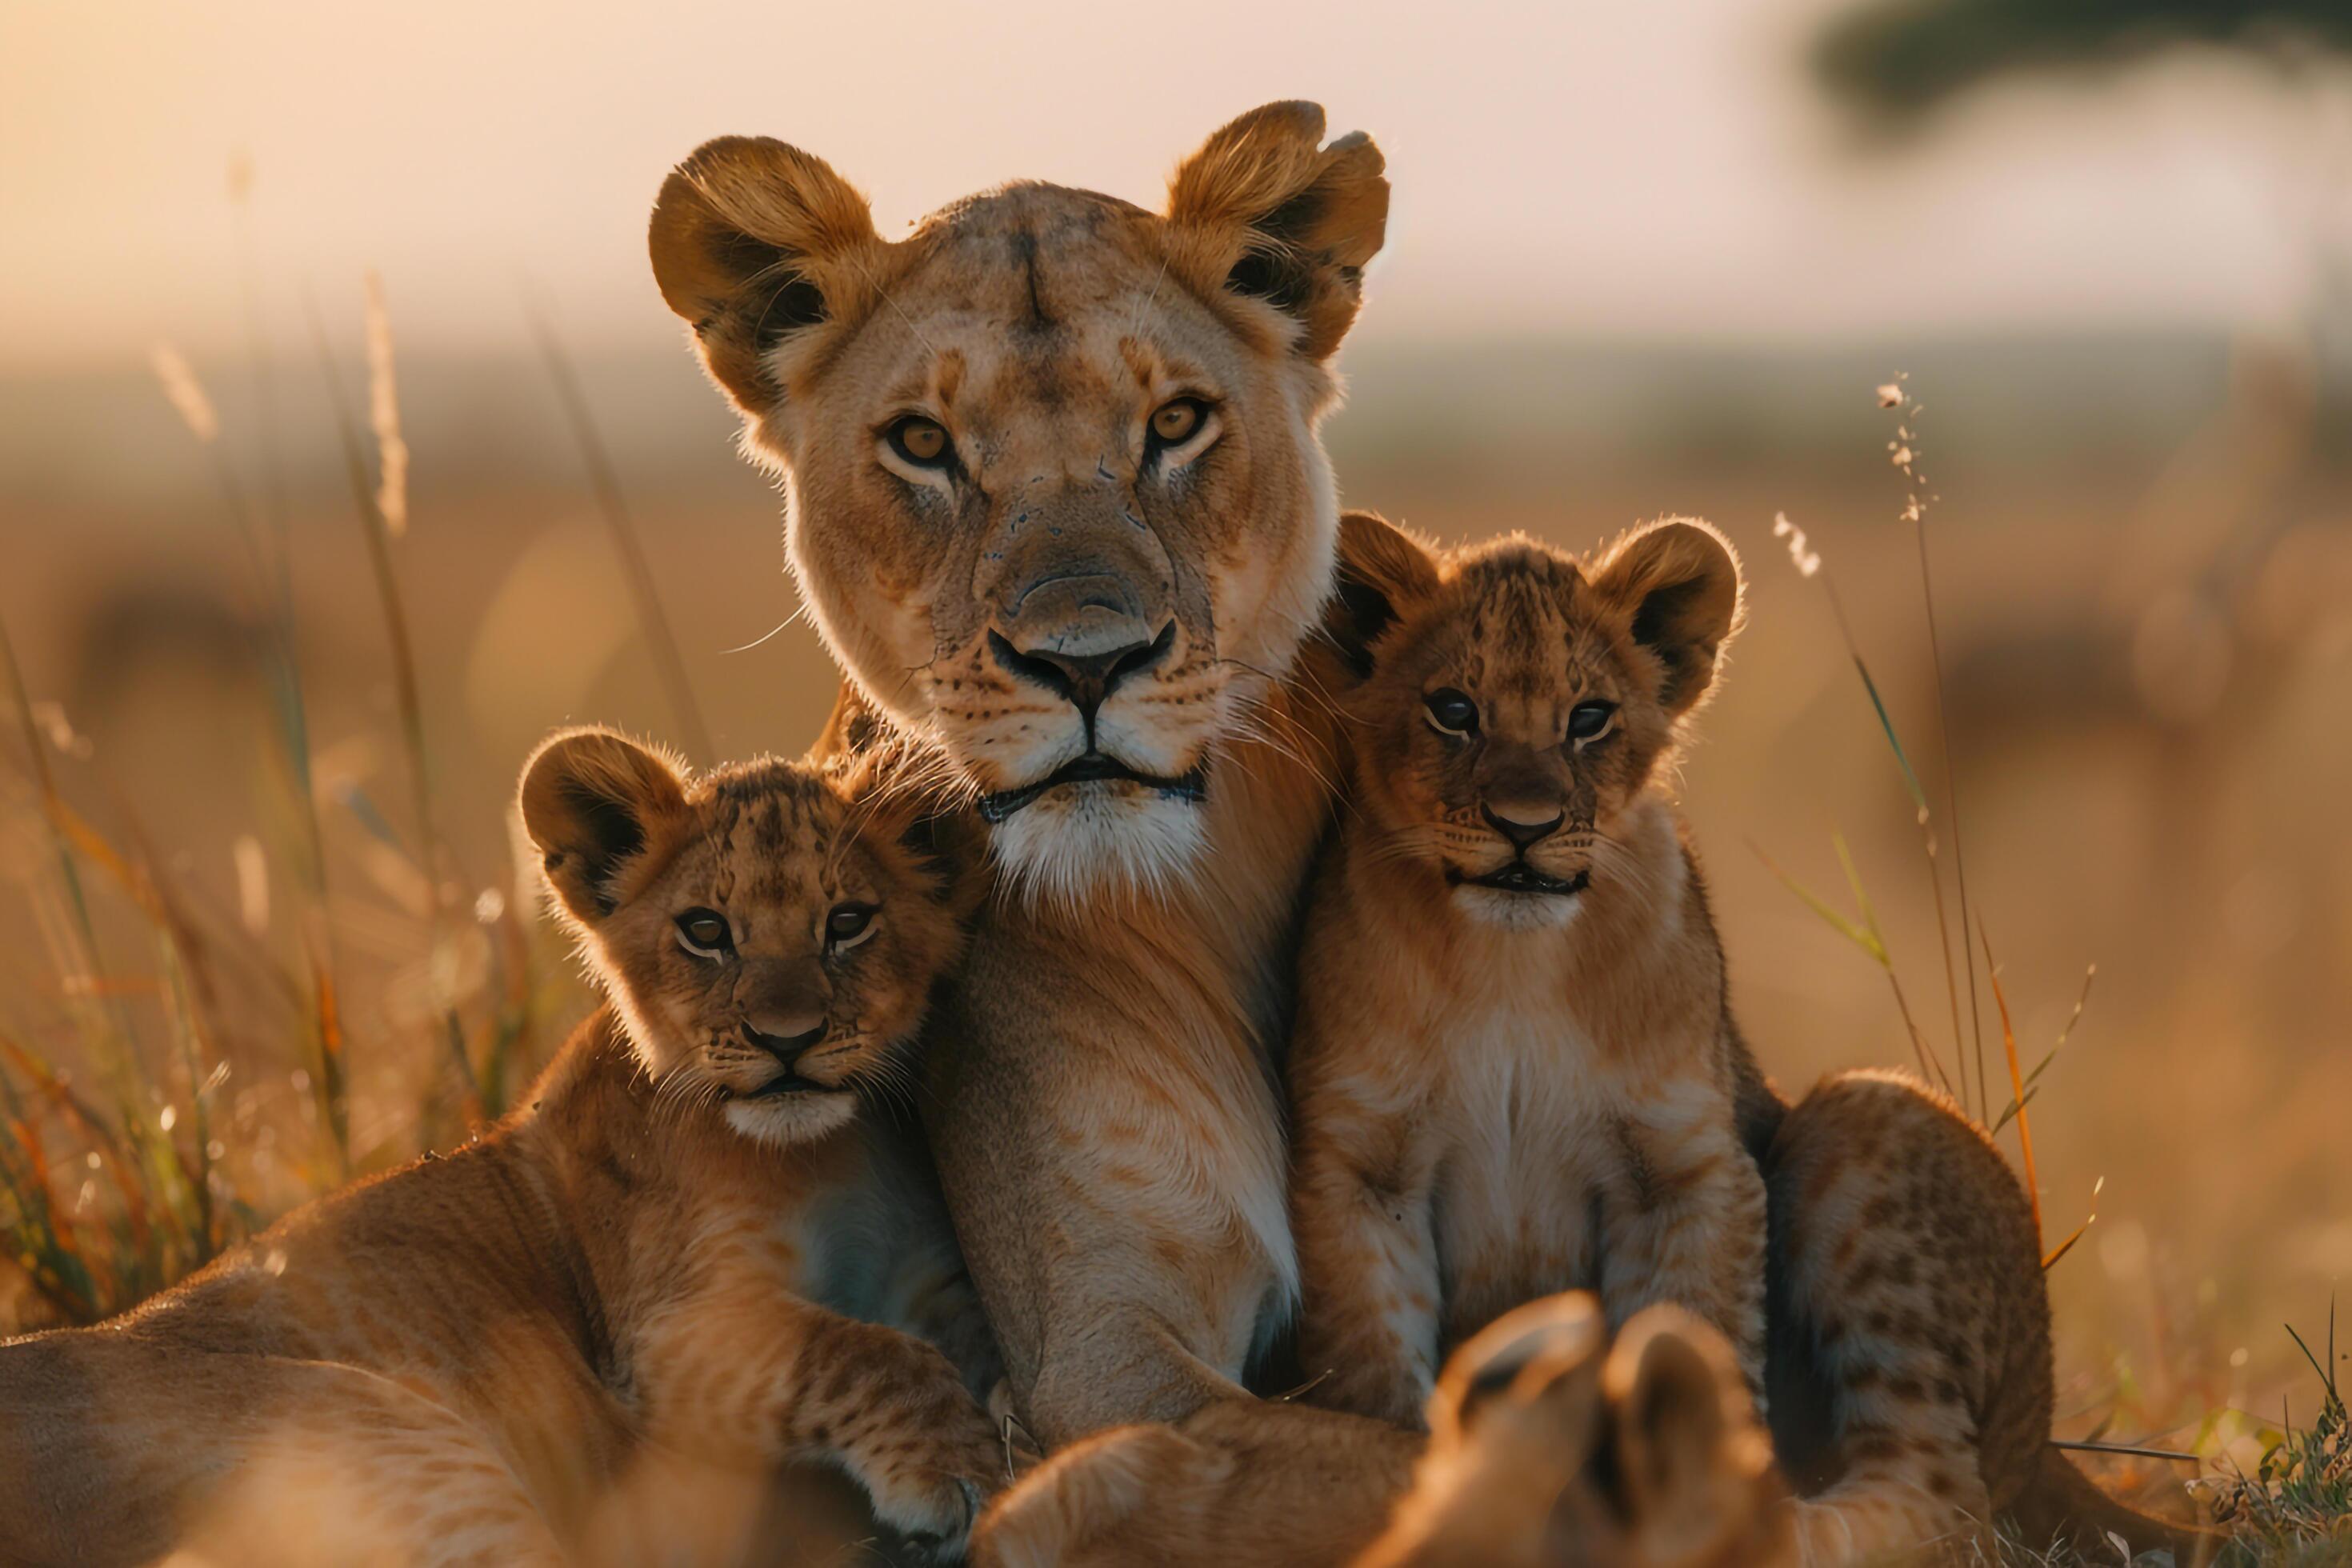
x,y
766,938
1520,703
1053,493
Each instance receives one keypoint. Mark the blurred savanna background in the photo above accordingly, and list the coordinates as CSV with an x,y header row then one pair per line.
x,y
346,447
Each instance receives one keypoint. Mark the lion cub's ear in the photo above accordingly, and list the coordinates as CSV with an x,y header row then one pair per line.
x,y
895,790
1265,210
1677,584
1385,573
593,800
751,240
1687,1441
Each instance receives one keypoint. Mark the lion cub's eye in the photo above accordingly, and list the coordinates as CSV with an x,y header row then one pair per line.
x,y
1451,713
921,441
705,934
848,925
1590,721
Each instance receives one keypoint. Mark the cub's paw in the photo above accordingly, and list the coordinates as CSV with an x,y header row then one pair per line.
x,y
931,1477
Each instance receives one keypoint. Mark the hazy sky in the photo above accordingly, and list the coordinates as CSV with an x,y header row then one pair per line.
x,y
1654,168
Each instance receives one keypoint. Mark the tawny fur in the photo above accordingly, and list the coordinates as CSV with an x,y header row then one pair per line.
x,y
1910,1359
1104,1101
1498,1093
1551,1447
1104,1097
647,1272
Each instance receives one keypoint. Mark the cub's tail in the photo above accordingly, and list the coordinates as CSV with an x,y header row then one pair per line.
x,y
2062,1504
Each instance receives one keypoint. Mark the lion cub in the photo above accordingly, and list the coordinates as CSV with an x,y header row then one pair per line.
x,y
1514,1072
1550,1445
686,1249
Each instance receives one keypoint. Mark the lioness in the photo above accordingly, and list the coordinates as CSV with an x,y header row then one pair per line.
x,y
1054,498
1515,1071
689,1244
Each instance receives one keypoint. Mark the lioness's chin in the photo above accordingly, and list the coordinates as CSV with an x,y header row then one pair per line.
x,y
1517,911
1080,843
792,1117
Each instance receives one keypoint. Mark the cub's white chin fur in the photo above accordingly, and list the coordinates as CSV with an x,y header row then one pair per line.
x,y
1085,842
791,1118
1517,911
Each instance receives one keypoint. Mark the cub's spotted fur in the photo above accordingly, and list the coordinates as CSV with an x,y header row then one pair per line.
x,y
1515,1073
686,1249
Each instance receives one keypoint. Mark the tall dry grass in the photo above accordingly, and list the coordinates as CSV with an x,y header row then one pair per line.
x,y
200,1074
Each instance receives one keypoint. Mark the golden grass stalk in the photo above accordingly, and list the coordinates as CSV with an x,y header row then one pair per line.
x,y
1864,933
2016,1081
1808,564
273,588
383,414
2034,1078
1904,456
186,394
376,530
635,568
432,856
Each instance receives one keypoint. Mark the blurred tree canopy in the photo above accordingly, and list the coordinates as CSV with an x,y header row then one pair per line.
x,y
1898,59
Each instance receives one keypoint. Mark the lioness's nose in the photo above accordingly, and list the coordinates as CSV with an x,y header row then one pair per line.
x,y
784,1035
1524,822
1083,656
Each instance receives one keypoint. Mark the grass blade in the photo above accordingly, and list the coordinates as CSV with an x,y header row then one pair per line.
x,y
2016,1080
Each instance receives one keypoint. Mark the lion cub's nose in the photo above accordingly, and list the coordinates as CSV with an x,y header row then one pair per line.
x,y
1524,822
784,1035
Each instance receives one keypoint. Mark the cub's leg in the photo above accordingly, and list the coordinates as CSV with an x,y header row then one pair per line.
x,y
1368,1272
1908,1280
1687,1227
764,1379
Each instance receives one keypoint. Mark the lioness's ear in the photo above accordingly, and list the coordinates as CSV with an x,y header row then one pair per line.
x,y
1677,581
591,800
752,240
1265,209
1384,574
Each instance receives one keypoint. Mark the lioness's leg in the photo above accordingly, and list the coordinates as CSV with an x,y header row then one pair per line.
x,y
1907,1273
115,1449
360,1470
1240,1481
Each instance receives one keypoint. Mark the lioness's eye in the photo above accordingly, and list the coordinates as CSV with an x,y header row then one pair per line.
x,y
848,925
706,934
1449,712
1173,423
921,441
1590,721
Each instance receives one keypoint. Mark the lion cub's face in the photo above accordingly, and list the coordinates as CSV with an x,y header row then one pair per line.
x,y
1520,700
763,932
1052,489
